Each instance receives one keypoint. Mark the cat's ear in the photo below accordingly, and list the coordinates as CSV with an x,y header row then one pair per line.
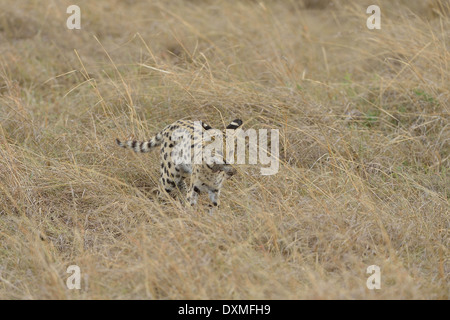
x,y
236,123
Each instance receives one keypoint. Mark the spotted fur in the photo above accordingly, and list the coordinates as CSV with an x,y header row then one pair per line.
x,y
204,177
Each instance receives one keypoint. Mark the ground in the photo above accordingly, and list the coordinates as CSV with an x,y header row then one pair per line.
x,y
363,117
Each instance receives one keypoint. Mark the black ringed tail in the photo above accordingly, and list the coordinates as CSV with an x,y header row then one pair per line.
x,y
141,146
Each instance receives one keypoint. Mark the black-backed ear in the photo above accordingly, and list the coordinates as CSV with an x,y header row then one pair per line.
x,y
206,126
235,124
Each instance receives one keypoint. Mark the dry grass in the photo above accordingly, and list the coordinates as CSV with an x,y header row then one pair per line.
x,y
364,129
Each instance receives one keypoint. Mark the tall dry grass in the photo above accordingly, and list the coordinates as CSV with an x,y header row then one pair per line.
x,y
363,117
